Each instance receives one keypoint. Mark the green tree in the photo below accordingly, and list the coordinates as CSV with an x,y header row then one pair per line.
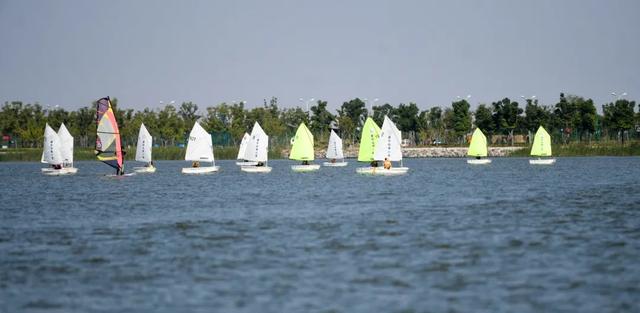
x,y
461,117
379,111
189,112
484,119
321,118
406,119
506,116
619,117
218,118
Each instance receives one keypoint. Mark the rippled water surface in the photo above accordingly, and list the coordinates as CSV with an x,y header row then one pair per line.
x,y
447,237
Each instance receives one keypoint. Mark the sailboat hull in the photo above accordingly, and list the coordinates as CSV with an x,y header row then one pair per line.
x,y
382,171
247,163
305,168
256,169
60,172
335,164
200,170
542,161
479,161
145,169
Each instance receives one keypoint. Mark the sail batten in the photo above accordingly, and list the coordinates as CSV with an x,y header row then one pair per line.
x,y
108,144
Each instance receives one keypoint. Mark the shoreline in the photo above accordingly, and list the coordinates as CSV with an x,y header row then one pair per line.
x,y
351,152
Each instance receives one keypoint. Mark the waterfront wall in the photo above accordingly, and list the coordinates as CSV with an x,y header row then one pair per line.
x,y
425,152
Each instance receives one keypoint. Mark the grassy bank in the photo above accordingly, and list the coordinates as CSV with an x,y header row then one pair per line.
x,y
159,153
585,149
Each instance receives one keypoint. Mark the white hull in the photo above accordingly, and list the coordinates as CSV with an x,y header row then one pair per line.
x,y
60,172
145,169
200,170
382,171
478,161
542,161
116,175
305,168
248,163
336,164
256,169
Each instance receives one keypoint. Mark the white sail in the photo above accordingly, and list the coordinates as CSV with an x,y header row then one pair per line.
x,y
145,142
388,143
51,146
200,145
66,145
334,150
257,146
243,146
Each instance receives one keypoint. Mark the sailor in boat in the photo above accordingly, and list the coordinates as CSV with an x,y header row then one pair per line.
x,y
57,166
333,160
387,164
374,163
260,164
477,158
305,162
195,164
150,164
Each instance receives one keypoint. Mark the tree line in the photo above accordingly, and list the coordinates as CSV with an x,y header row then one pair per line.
x,y
572,118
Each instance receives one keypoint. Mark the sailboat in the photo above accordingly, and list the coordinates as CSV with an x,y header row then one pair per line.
x,y
478,148
388,148
368,141
51,152
199,149
541,148
302,150
143,151
108,144
243,150
334,151
66,150
257,150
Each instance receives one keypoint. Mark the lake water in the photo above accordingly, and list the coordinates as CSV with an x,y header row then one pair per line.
x,y
447,237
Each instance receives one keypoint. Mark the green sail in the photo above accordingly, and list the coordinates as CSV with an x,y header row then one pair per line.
x,y
478,145
368,140
302,148
541,143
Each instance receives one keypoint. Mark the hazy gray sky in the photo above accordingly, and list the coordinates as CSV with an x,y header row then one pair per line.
x,y
73,52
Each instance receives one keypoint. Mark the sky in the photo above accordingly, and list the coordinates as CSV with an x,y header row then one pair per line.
x,y
72,52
